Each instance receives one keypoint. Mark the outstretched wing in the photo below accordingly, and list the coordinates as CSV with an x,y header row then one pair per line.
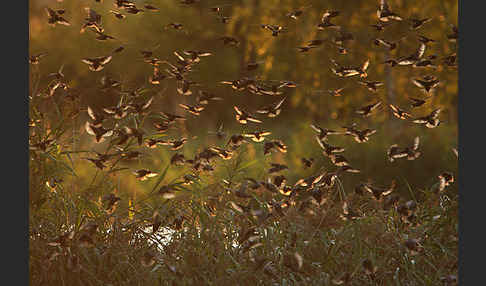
x,y
279,103
254,120
376,105
365,65
435,113
416,143
418,83
421,50
179,56
369,132
51,13
383,5
148,103
89,129
91,113
237,110
325,17
420,120
316,128
106,60
320,143
395,109
87,61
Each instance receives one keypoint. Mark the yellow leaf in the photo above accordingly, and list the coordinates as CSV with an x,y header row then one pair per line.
x,y
130,212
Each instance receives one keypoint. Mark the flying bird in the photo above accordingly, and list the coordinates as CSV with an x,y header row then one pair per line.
x,y
326,20
368,109
275,29
54,17
324,132
243,117
431,120
416,23
417,102
35,59
385,14
98,63
426,83
411,153
144,174
272,110
257,136
411,59
399,113
329,149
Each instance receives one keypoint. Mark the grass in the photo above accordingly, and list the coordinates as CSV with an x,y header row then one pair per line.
x,y
212,243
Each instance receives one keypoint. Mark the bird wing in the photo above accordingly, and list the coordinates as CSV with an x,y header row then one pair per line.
x,y
51,13
91,113
416,143
375,106
238,110
325,17
420,120
370,132
420,51
279,103
254,120
87,61
365,65
320,143
105,60
395,109
89,129
147,104
418,82
435,113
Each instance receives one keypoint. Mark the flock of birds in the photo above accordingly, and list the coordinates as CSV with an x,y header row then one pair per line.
x,y
132,103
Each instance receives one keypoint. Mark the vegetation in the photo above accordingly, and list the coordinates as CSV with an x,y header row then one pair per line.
x,y
139,173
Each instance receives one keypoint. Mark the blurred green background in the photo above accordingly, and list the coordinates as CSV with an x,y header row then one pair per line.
x,y
280,60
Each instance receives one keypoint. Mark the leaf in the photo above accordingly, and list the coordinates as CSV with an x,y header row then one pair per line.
x,y
60,162
130,212
157,136
161,177
70,159
179,187
155,268
74,152
246,165
410,189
